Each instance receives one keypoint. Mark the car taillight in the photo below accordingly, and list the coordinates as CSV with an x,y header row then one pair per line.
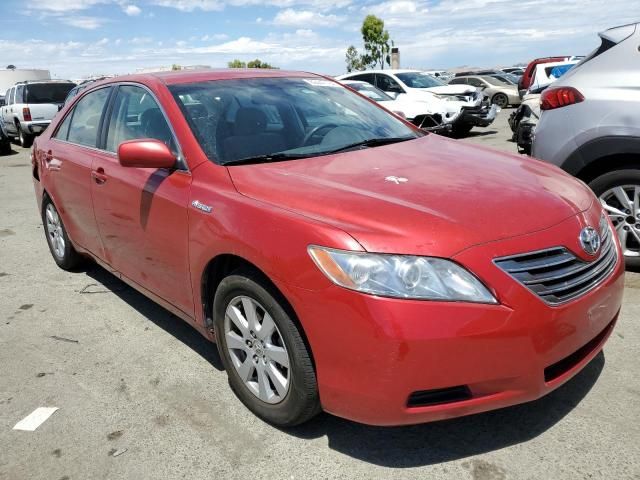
x,y
559,97
26,114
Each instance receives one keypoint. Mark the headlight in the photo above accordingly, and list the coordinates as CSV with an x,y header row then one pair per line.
x,y
400,276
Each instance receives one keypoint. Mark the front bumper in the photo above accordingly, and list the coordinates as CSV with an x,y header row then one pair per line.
x,y
372,353
481,116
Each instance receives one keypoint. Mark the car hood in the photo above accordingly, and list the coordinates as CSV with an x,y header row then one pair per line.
x,y
450,89
430,196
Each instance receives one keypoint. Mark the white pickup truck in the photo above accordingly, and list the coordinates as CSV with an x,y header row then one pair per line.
x,y
30,106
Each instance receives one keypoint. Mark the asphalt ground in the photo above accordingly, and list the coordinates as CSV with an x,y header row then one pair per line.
x,y
143,396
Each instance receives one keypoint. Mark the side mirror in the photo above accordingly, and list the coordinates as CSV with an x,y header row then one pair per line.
x,y
393,95
145,153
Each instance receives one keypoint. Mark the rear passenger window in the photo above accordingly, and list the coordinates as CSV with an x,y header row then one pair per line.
x,y
85,118
136,115
19,96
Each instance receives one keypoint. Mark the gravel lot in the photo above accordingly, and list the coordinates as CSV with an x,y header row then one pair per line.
x,y
142,396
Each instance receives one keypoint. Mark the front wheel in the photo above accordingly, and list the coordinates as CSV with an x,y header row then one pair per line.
x,y
500,99
262,349
619,193
61,249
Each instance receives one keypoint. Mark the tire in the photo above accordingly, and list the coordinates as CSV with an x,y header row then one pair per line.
x,y
460,130
629,231
501,100
60,246
24,139
245,291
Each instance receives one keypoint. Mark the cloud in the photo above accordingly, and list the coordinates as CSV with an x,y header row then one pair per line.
x,y
84,22
131,10
304,18
190,5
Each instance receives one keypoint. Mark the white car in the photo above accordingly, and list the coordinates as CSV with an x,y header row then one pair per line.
x,y
434,114
417,85
547,73
30,106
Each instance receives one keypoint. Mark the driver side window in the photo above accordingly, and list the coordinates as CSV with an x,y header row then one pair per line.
x,y
136,115
388,84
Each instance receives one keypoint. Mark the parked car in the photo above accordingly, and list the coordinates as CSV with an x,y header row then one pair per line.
x,y
509,78
499,91
519,71
527,77
477,72
5,141
337,254
590,127
434,115
523,122
31,106
420,86
546,73
440,74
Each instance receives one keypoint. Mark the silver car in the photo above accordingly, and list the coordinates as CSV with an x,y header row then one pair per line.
x,y
590,127
500,92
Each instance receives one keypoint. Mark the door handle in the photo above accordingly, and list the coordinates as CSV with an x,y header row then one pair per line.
x,y
48,156
99,176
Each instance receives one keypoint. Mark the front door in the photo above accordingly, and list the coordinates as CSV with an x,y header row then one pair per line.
x,y
69,156
142,213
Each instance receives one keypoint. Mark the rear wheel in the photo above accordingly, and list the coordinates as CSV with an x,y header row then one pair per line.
x,y
61,249
619,193
268,364
500,99
25,139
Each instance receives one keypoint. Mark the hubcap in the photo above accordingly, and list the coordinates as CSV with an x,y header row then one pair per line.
x,y
623,207
257,349
54,230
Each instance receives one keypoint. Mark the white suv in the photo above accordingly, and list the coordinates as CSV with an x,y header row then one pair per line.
x,y
30,106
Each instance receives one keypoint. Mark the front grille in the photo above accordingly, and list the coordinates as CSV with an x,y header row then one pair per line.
x,y
556,275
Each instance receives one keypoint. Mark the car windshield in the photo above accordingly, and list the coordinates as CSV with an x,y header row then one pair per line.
x,y
495,81
273,119
419,80
47,92
370,91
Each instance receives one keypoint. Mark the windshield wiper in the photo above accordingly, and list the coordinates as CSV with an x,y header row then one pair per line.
x,y
372,142
272,157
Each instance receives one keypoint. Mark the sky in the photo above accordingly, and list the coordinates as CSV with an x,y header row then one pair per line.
x,y
79,38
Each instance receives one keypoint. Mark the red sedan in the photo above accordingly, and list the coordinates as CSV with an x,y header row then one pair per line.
x,y
340,258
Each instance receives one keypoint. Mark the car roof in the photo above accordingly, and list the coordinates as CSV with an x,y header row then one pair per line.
x,y
192,76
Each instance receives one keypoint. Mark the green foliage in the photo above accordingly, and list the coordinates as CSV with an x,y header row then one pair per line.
x,y
257,63
236,64
376,41
175,66
354,60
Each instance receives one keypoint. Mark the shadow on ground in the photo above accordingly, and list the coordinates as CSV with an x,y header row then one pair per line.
x,y
164,319
480,133
398,447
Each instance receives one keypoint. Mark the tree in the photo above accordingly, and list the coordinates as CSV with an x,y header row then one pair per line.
x,y
236,64
376,41
257,63
354,59
175,66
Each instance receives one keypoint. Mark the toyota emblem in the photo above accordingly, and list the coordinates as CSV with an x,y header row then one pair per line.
x,y
590,240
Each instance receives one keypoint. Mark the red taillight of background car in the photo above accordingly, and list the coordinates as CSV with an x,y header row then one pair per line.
x,y
559,97
26,114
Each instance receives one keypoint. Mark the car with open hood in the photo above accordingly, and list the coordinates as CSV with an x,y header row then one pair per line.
x,y
341,258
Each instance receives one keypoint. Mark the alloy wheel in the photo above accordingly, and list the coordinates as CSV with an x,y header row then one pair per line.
x,y
622,204
55,231
257,349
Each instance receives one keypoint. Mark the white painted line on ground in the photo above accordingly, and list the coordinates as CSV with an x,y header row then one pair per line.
x,y
35,419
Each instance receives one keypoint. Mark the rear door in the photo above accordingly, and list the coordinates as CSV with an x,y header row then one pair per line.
x,y
69,155
7,111
141,212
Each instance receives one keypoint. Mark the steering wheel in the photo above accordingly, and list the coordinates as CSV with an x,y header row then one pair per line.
x,y
315,130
